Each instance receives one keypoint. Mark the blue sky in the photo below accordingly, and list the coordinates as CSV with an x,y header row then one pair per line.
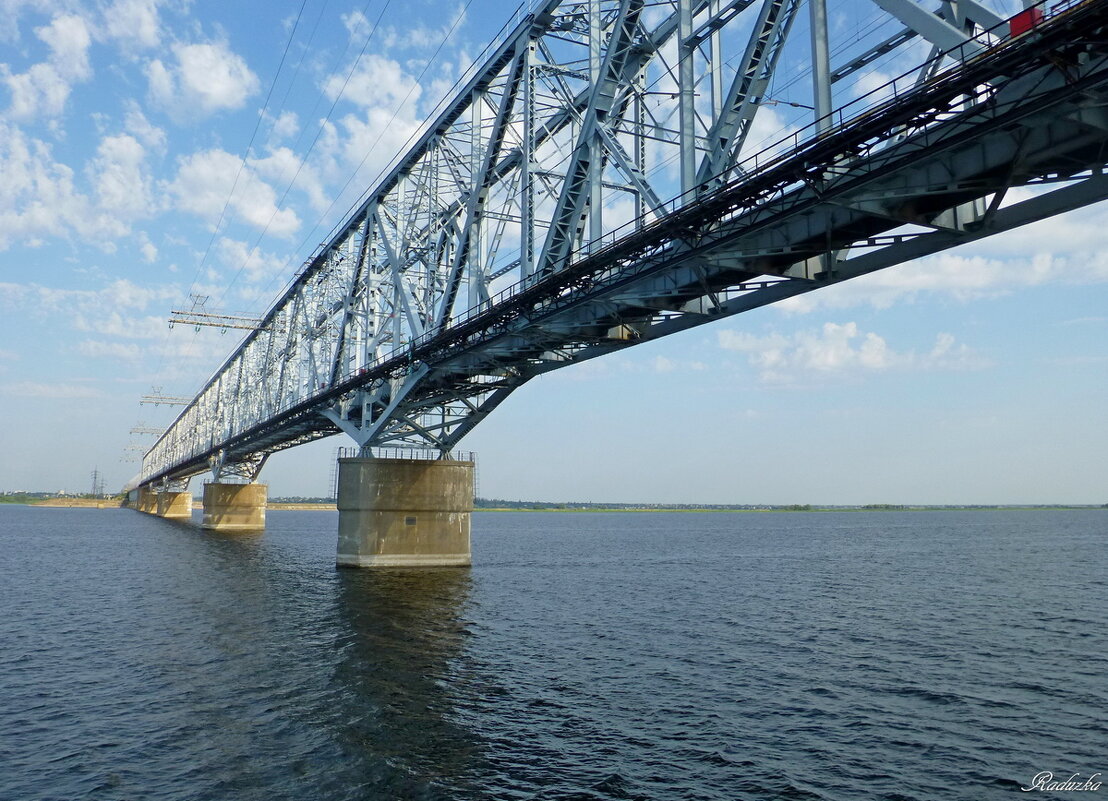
x,y
976,376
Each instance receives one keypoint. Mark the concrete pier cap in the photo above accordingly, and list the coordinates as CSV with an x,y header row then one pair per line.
x,y
407,510
234,507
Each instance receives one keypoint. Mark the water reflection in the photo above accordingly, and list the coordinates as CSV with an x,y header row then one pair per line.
x,y
404,631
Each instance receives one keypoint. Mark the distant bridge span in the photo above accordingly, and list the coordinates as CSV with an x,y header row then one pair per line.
x,y
499,248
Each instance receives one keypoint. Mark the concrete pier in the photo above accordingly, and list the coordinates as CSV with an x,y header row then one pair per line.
x,y
147,500
404,512
175,505
234,507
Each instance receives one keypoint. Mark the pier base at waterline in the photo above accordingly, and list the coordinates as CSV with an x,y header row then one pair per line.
x,y
234,507
404,512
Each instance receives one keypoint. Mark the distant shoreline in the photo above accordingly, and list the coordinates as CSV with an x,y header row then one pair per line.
x,y
310,506
775,509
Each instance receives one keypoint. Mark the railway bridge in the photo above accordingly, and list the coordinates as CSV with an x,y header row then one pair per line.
x,y
602,177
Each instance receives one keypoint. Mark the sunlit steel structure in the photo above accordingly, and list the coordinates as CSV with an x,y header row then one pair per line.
x,y
599,180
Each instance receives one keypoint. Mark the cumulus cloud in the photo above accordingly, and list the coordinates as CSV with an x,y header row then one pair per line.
x,y
68,39
284,167
369,142
371,138
138,126
134,23
39,196
840,349
203,79
252,262
148,249
286,126
120,179
45,87
205,180
376,81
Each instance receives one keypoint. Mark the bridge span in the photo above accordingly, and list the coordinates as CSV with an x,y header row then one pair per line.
x,y
593,184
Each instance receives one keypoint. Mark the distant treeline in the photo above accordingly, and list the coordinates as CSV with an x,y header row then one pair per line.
x,y
35,497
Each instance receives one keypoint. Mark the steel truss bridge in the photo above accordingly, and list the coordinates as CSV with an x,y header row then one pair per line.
x,y
596,182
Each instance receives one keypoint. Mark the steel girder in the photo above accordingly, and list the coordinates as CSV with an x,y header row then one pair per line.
x,y
498,247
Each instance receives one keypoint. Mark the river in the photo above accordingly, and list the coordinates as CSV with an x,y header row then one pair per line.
x,y
839,655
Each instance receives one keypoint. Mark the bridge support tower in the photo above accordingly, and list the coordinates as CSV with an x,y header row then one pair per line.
x,y
404,512
234,507
174,505
147,500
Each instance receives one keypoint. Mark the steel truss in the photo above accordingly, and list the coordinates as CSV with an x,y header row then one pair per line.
x,y
526,228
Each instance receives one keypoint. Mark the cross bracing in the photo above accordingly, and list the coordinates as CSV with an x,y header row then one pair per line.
x,y
594,184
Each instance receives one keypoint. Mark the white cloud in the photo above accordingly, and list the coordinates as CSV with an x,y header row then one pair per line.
x,y
206,78
142,129
68,38
39,197
148,250
840,349
376,82
356,24
205,180
425,37
286,126
110,350
119,177
31,389
133,22
371,142
254,263
285,168
45,87
114,324
39,90
119,295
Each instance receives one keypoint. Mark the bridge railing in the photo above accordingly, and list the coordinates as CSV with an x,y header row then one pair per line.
x,y
417,454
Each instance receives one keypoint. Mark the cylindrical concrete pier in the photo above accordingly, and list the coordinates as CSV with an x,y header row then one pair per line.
x,y
234,507
175,505
404,513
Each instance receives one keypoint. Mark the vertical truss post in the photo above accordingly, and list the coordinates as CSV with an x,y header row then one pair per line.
x,y
728,133
567,220
821,65
715,68
527,164
475,264
639,111
596,167
686,112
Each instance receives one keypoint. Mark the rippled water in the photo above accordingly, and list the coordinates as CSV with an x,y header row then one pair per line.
x,y
584,656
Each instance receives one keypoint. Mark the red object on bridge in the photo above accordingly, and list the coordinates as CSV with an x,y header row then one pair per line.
x,y
1025,21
